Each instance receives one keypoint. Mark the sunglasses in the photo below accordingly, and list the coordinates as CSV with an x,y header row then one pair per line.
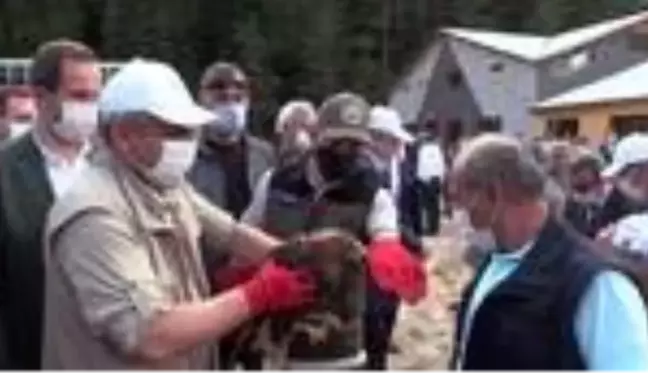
x,y
221,85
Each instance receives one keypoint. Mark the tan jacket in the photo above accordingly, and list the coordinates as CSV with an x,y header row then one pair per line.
x,y
116,254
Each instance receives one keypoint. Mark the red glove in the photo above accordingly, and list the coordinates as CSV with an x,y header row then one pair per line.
x,y
396,270
234,274
277,288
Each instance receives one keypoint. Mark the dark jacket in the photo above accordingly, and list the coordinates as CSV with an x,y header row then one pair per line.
x,y
527,321
25,199
227,176
582,216
410,203
293,205
210,172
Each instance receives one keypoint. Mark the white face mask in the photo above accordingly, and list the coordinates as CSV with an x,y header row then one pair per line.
x,y
302,140
19,128
232,120
78,120
177,157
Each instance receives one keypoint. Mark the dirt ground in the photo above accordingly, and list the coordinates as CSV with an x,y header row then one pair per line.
x,y
423,335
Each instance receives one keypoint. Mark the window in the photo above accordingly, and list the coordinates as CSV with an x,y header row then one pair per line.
x,y
4,78
490,124
497,67
17,74
623,125
566,128
455,79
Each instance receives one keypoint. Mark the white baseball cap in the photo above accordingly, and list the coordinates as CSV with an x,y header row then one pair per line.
x,y
155,88
387,121
631,150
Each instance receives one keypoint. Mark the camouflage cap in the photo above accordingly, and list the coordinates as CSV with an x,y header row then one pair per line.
x,y
344,115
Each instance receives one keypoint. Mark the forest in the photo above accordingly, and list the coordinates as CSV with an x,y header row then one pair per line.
x,y
291,48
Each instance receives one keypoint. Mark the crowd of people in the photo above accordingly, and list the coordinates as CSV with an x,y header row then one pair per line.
x,y
137,222
137,226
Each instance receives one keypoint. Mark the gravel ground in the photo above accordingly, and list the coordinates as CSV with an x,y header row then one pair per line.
x,y
423,335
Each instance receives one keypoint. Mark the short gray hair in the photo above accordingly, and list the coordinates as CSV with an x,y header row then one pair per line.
x,y
290,109
492,159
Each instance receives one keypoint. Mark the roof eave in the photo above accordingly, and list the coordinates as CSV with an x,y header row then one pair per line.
x,y
543,109
509,54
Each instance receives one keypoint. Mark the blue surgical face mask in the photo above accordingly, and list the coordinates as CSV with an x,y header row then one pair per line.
x,y
232,120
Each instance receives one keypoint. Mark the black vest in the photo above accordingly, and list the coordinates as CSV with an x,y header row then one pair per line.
x,y
293,206
527,321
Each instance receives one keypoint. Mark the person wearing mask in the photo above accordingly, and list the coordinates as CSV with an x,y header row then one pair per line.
x,y
397,175
541,300
36,170
126,287
295,128
17,111
229,165
628,174
337,186
431,166
586,192
230,160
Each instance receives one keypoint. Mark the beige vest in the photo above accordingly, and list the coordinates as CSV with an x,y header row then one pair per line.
x,y
68,340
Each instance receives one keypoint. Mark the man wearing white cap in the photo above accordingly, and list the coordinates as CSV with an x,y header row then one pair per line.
x,y
125,283
629,175
397,175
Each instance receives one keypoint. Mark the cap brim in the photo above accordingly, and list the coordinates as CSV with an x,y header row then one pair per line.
x,y
403,136
192,116
343,133
397,133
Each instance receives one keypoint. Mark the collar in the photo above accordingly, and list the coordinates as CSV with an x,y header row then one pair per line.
x,y
54,159
517,255
213,149
154,208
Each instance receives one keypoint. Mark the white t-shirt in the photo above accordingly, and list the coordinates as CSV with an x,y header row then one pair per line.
x,y
62,173
431,162
631,233
381,220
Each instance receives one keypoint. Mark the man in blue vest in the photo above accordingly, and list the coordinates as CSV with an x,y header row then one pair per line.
x,y
336,186
541,300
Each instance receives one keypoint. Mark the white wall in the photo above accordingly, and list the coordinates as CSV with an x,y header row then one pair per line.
x,y
408,95
507,94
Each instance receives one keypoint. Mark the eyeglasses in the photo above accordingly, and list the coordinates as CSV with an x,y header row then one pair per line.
x,y
222,85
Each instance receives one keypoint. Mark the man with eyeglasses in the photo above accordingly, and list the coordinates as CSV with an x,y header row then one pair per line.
x,y
230,160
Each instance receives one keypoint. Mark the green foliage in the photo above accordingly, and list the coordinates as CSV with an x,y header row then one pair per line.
x,y
291,48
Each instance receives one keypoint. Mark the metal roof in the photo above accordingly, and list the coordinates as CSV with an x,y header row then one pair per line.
x,y
629,84
535,47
